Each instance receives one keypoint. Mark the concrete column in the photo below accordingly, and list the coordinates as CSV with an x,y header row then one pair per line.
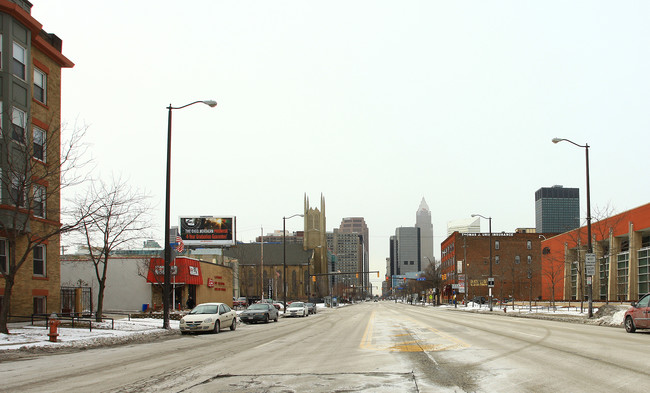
x,y
633,267
615,248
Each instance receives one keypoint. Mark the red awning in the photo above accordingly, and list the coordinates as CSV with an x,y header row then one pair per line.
x,y
183,271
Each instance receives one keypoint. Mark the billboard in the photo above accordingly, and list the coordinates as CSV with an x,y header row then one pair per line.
x,y
208,231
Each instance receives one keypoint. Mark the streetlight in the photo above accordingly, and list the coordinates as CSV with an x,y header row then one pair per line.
x,y
589,246
490,278
168,250
284,257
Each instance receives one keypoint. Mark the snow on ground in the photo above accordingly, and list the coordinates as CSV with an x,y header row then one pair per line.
x,y
23,335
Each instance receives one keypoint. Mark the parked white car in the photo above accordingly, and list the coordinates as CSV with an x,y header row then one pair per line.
x,y
297,309
209,317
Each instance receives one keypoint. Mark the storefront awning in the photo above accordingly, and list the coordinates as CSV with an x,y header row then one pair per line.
x,y
183,271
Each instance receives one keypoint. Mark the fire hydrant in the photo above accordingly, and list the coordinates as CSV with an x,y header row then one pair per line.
x,y
54,328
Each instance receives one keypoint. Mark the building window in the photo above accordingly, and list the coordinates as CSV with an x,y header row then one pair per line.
x,y
20,59
18,120
40,305
40,86
17,191
529,259
40,195
39,144
3,256
497,259
529,244
517,260
496,244
39,261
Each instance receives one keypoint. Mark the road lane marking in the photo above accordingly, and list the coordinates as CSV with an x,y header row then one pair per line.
x,y
381,335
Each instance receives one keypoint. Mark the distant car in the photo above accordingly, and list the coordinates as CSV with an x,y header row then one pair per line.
x,y
240,302
638,317
209,317
479,299
272,302
259,312
311,308
297,309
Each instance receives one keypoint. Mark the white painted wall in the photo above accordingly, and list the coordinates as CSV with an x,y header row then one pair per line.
x,y
126,288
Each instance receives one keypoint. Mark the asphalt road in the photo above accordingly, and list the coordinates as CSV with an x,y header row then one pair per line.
x,y
370,347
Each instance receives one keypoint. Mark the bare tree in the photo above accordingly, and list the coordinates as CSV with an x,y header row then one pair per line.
x,y
111,216
554,273
34,171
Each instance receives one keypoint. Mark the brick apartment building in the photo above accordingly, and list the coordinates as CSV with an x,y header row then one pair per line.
x,y
516,265
30,103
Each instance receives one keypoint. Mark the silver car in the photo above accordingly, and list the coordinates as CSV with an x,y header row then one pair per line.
x,y
297,309
209,317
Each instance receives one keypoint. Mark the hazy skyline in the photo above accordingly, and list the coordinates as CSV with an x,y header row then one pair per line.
x,y
374,104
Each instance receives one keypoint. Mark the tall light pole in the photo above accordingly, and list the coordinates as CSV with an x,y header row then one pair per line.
x,y
589,246
284,258
168,249
490,278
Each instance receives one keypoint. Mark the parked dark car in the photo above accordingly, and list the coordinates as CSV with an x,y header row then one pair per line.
x,y
311,307
638,316
259,312
479,299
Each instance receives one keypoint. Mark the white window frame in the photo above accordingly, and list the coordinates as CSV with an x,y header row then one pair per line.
x,y
42,260
18,120
0,51
4,254
40,77
496,245
38,131
22,52
40,196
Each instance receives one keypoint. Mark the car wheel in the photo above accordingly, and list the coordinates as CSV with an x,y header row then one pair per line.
x,y
629,325
185,333
233,325
266,318
276,318
217,327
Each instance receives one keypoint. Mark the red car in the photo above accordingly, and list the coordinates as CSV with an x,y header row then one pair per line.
x,y
638,317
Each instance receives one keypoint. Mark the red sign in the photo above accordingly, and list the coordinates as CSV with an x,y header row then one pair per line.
x,y
210,283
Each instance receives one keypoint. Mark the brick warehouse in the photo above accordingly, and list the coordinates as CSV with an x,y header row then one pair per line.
x,y
516,265
30,94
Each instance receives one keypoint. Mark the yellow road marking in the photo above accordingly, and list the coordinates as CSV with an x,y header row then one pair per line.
x,y
417,345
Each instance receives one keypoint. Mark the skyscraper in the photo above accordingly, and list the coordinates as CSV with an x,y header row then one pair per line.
x,y
423,221
557,209
357,225
405,251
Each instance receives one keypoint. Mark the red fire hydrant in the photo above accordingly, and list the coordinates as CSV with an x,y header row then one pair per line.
x,y
54,328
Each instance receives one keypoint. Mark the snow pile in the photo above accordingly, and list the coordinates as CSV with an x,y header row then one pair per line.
x,y
33,338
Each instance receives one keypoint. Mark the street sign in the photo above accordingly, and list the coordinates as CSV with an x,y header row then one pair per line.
x,y
590,264
490,282
590,258
422,278
455,286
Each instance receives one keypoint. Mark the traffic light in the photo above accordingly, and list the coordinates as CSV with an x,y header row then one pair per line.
x,y
313,278
377,274
357,275
386,278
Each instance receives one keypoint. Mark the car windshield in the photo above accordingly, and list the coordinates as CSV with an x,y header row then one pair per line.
x,y
205,309
297,305
258,307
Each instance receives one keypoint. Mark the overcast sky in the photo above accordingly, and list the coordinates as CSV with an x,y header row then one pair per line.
x,y
374,104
